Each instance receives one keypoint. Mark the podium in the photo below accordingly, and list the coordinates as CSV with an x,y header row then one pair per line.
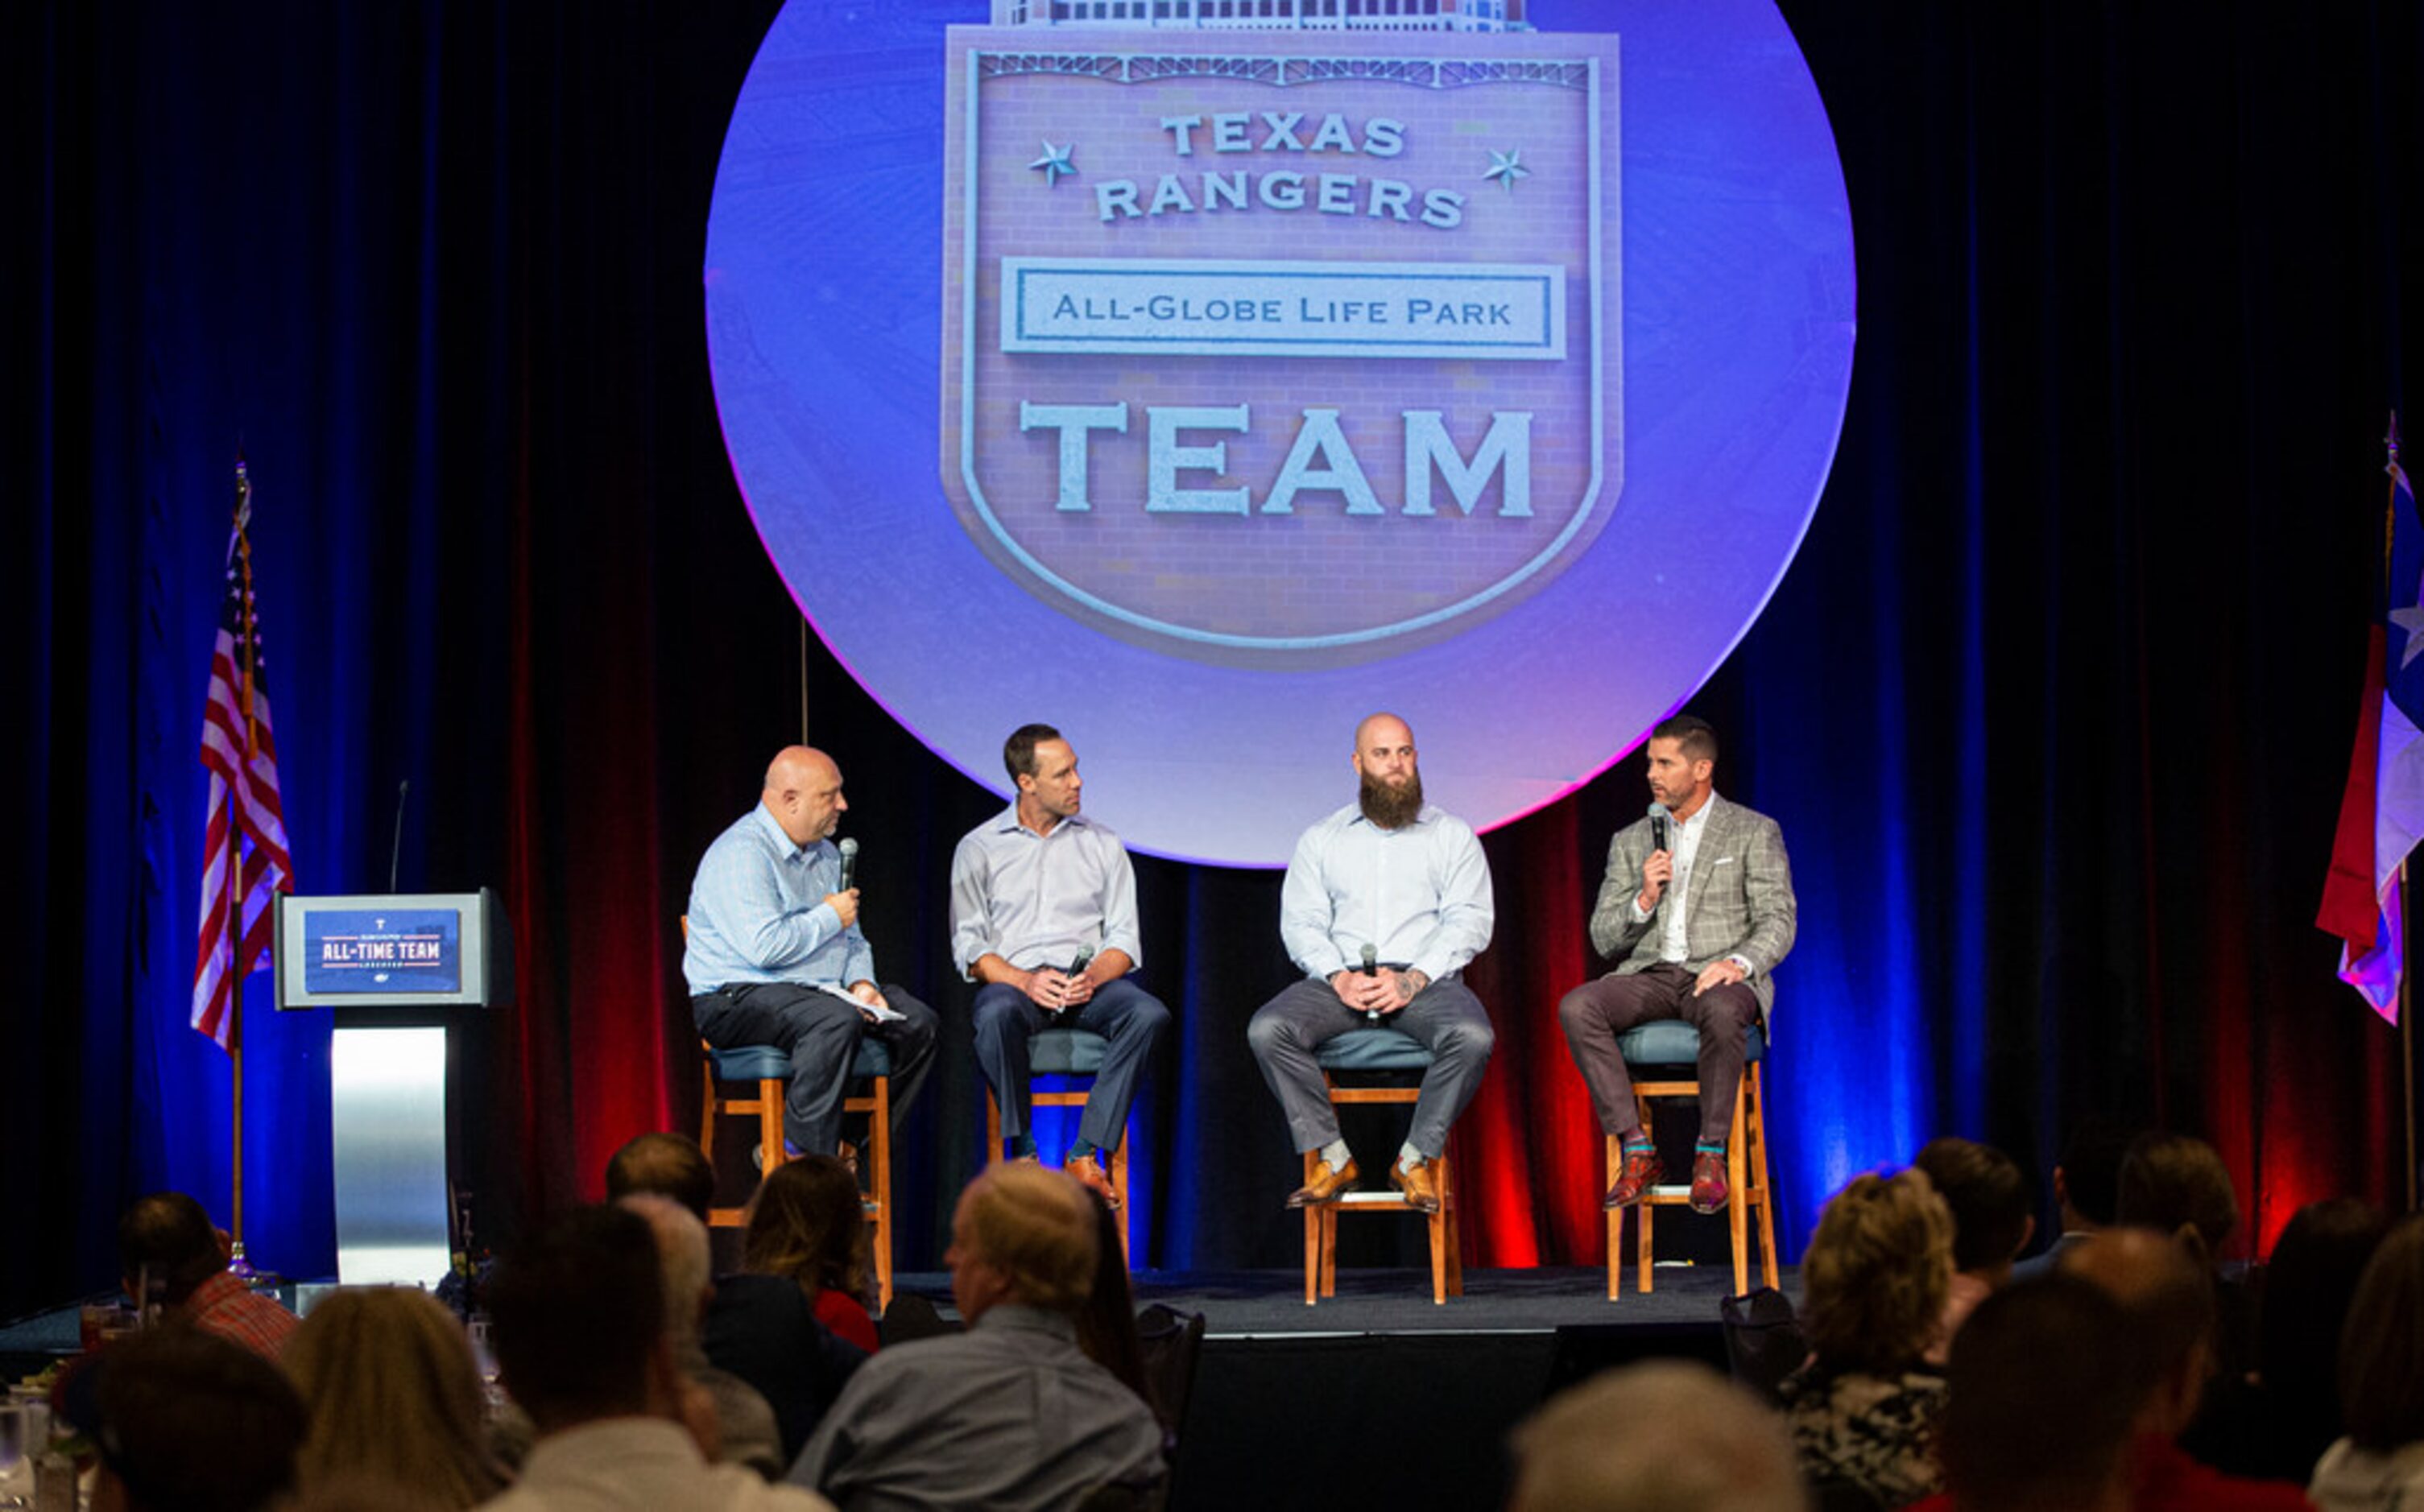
x,y
397,968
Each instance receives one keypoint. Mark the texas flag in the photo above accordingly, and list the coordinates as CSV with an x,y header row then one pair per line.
x,y
2381,814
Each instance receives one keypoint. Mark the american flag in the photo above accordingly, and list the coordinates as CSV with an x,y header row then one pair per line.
x,y
245,862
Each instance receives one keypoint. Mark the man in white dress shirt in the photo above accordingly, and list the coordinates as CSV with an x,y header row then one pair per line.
x,y
1044,916
1385,902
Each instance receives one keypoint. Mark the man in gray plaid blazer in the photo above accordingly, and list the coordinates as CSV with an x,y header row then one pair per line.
x,y
1696,905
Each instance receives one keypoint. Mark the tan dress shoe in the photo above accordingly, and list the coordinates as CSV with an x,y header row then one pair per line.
x,y
1326,1184
1092,1176
1419,1186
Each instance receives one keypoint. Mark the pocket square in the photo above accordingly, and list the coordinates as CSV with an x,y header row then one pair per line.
x,y
1723,861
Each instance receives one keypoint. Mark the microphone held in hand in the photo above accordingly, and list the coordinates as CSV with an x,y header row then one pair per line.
x,y
848,848
1077,964
1372,968
1658,818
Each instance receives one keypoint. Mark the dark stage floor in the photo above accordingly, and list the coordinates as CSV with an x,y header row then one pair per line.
x,y
1376,1396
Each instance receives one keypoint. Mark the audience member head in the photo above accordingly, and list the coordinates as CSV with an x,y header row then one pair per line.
x,y
682,1258
1022,1233
580,1309
1987,1196
1107,1329
194,1423
805,1222
2043,1394
2166,1293
2308,1284
669,1165
395,1399
168,1237
1665,1436
2176,1183
1877,1272
2087,1177
2382,1347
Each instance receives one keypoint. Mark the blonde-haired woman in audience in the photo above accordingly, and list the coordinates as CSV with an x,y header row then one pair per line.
x,y
1863,1410
2379,1465
395,1399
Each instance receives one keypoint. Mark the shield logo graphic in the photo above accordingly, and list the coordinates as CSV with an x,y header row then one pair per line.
x,y
1282,348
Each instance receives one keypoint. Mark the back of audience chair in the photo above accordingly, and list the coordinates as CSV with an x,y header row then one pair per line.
x,y
1173,1342
1764,1342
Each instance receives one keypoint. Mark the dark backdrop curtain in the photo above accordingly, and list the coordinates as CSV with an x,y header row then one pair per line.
x,y
2054,705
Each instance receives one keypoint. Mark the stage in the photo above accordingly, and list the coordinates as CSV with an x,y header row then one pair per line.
x,y
1377,1394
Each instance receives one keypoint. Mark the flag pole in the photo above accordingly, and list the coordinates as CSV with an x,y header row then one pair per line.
x,y
235,859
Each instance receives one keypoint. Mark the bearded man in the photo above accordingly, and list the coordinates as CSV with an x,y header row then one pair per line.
x,y
1385,901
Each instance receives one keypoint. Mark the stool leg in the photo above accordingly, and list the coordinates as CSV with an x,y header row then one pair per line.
x,y
1455,1237
707,1118
1314,1255
1737,1218
1120,1184
1755,1089
993,1131
1641,1214
770,1124
879,1140
1613,1165
1330,1249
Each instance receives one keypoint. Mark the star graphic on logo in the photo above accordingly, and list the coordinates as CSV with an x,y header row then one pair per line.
x,y
1506,168
1055,162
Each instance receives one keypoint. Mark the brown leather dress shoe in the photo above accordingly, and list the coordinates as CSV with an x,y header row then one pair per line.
x,y
1326,1184
1709,1181
1092,1176
1419,1186
1641,1171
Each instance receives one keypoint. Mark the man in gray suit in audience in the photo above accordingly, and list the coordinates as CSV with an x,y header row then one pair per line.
x,y
1696,907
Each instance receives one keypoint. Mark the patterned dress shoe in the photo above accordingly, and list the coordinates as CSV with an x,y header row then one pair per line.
x,y
1709,1181
1640,1173
1326,1184
1092,1176
1418,1186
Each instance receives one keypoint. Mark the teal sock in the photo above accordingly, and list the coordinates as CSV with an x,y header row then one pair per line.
x,y
1635,1142
1023,1148
1082,1150
1705,1148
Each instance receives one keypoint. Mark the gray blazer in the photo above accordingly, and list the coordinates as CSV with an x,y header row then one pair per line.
x,y
1740,901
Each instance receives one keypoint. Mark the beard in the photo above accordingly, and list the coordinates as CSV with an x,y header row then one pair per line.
x,y
1392,808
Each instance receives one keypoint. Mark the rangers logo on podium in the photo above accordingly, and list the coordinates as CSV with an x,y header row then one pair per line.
x,y
1282,348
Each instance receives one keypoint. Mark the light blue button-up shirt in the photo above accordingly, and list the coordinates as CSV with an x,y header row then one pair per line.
x,y
758,913
1418,894
1035,899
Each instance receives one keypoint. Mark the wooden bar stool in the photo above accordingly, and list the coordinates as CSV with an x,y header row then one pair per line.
x,y
1377,1049
770,1070
1669,1044
1067,1052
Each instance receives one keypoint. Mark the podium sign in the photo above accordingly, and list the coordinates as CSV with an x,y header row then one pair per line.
x,y
395,967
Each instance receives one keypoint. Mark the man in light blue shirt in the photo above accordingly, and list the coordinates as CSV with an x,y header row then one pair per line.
x,y
775,956
1036,891
1385,901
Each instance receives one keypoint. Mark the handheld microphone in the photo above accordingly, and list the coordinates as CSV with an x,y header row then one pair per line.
x,y
1658,817
1077,963
395,852
848,848
1371,968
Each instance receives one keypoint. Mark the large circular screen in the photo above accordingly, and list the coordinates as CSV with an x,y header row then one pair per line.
x,y
1201,375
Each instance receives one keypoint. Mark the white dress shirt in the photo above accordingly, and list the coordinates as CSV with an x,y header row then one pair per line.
x,y
1035,899
1419,895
